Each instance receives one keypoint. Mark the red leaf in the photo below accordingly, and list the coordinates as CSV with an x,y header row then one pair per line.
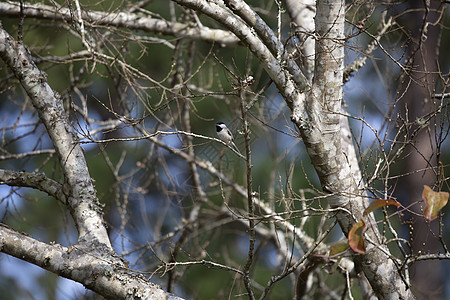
x,y
434,202
355,237
339,247
379,203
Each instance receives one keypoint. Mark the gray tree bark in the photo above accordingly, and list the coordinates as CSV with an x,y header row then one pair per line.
x,y
91,261
315,102
317,114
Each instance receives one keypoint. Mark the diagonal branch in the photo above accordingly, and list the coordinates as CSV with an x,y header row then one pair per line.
x,y
276,70
82,201
317,115
33,180
122,20
105,275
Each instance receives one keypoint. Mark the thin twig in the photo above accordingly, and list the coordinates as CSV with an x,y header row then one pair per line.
x,y
251,222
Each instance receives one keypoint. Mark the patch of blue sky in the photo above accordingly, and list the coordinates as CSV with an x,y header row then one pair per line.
x,y
23,125
9,202
87,131
96,128
277,116
369,96
25,275
174,141
152,211
68,289
127,244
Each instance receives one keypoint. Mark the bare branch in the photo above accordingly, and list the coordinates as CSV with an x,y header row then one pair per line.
x,y
96,270
121,19
82,196
33,180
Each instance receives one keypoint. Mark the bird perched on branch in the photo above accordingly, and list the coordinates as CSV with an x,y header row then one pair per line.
x,y
225,135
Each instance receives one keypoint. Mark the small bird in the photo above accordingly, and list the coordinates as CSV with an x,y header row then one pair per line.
x,y
225,135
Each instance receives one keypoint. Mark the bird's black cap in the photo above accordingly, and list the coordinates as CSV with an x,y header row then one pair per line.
x,y
218,128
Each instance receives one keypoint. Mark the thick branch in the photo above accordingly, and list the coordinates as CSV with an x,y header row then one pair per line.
x,y
318,119
82,201
276,70
267,37
328,147
302,13
33,180
122,19
101,273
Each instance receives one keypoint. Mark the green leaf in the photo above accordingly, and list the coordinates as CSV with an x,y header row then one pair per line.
x,y
434,202
339,247
379,203
355,237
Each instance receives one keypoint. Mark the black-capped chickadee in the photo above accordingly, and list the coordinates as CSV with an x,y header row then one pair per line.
x,y
225,135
